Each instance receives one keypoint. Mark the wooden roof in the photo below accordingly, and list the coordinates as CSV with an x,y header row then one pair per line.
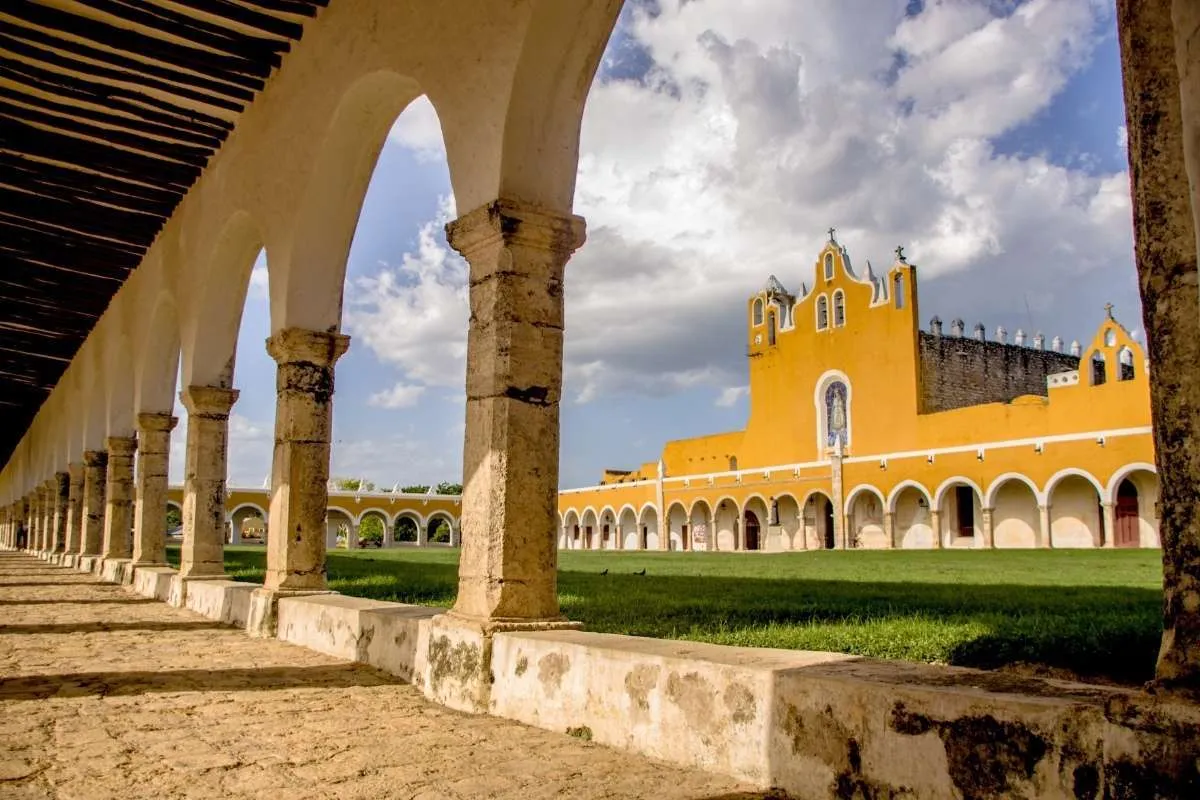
x,y
109,112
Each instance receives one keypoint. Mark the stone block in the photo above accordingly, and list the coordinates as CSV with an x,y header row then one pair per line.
x,y
220,600
397,639
116,570
457,669
153,582
88,564
329,623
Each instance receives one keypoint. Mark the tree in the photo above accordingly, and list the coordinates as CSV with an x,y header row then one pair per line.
x,y
353,485
174,518
445,487
406,530
439,531
415,489
370,530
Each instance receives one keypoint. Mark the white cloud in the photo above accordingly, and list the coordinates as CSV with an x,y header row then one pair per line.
x,y
402,395
731,395
760,125
259,285
420,130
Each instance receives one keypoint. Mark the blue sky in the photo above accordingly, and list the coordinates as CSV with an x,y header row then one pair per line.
x,y
984,136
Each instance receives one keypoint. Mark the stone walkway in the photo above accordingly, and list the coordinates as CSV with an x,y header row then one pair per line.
x,y
106,695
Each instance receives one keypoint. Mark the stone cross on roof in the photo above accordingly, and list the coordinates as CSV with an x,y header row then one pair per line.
x,y
1108,309
900,254
832,234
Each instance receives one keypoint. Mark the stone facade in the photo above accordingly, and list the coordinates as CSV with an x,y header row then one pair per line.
x,y
957,371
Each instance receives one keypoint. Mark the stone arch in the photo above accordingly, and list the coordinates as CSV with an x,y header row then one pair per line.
x,y
178,510
628,536
434,534
384,518
589,531
1076,516
119,383
649,527
725,533
607,520
409,533
1134,507
677,527
570,529
864,511
336,518
237,522
989,497
1068,472
212,317
912,516
158,358
1110,491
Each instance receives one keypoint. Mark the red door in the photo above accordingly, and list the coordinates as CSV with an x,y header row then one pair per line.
x,y
1126,533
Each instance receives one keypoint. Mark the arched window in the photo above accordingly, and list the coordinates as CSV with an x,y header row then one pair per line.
x,y
758,311
837,414
733,464
839,309
1125,370
1110,338
771,328
898,290
1098,371
822,313
829,266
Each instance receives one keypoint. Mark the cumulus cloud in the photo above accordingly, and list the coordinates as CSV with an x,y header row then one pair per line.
x,y
420,130
759,125
402,395
731,395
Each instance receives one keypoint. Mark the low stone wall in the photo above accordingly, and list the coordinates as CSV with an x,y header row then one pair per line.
x,y
812,724
153,582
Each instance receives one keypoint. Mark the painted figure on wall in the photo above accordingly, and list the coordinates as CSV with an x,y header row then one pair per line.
x,y
836,421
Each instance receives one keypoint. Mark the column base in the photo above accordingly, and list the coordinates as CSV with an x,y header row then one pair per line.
x,y
88,563
263,617
458,664
117,570
178,596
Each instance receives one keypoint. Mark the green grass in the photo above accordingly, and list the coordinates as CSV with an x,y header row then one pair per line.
x,y
1093,613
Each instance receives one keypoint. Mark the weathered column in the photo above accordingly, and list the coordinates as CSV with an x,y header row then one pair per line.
x,y
74,508
95,473
206,463
1109,516
935,523
62,488
422,535
1045,532
49,491
889,528
39,517
352,537
150,510
118,512
304,388
1154,54
517,256
839,500
987,538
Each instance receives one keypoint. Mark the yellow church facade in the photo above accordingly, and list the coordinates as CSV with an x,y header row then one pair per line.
x,y
866,431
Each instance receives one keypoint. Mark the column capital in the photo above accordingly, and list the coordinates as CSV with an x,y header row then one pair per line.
x,y
148,421
208,401
121,445
95,458
75,470
303,346
506,221
62,481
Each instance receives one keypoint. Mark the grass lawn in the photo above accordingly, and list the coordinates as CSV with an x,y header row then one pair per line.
x,y
1096,614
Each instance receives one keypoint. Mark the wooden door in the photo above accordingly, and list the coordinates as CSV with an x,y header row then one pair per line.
x,y
1127,525
751,531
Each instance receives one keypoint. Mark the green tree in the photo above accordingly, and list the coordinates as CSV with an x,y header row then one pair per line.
x,y
371,530
174,517
439,531
353,485
406,530
445,487
416,488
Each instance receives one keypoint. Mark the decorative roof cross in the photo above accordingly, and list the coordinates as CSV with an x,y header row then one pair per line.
x,y
900,254
832,236
1108,309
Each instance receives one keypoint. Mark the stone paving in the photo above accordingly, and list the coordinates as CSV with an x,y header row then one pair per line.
x,y
104,694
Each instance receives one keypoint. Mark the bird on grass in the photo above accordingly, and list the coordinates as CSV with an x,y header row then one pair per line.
x,y
643,572
605,572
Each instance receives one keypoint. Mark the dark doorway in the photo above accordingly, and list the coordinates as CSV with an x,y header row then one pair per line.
x,y
604,538
683,538
587,537
828,509
751,529
1127,534
964,499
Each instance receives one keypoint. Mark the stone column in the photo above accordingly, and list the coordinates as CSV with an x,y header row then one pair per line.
x,y
935,522
95,472
304,388
43,516
986,529
1159,110
889,528
839,501
62,489
352,537
35,519
118,513
150,510
75,508
1109,514
206,462
517,256
422,535
1045,532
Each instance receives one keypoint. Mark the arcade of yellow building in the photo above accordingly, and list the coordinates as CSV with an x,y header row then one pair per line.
x,y
867,432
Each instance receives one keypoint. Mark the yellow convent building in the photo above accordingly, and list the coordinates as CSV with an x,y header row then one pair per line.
x,y
867,432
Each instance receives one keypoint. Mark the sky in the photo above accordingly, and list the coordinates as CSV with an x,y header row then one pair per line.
x,y
985,136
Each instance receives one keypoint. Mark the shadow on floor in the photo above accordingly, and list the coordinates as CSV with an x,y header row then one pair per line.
x,y
111,627
83,581
116,684
92,601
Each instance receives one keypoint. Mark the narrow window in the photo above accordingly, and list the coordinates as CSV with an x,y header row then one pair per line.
x,y
758,312
822,313
771,328
1098,371
733,464
839,309
898,290
829,266
1125,360
964,498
